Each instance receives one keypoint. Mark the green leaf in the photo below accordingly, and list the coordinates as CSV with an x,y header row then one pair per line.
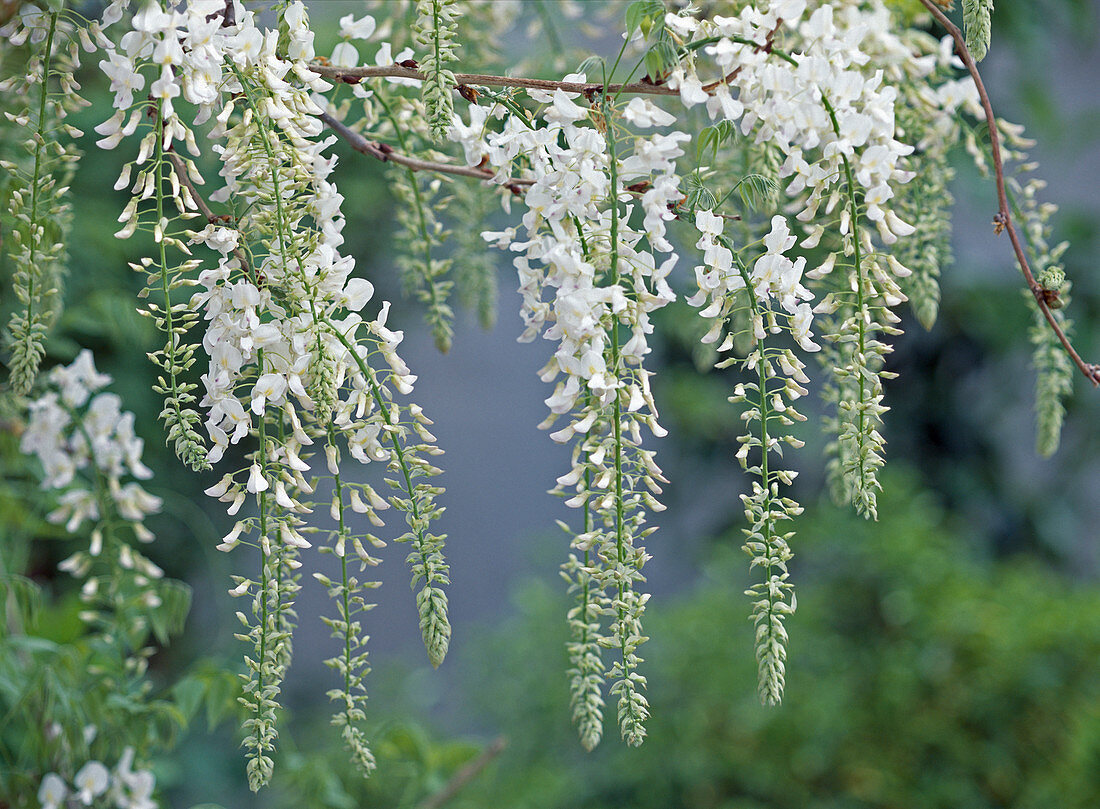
x,y
660,59
712,137
756,190
591,66
60,622
188,694
634,13
170,616
24,595
643,14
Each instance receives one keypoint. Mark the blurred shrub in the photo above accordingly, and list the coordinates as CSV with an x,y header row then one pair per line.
x,y
413,767
920,676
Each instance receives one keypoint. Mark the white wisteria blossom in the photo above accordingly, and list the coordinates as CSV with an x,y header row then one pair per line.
x,y
782,166
122,788
53,791
76,427
292,361
606,278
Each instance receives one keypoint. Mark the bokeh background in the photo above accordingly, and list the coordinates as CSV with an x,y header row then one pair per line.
x,y
946,656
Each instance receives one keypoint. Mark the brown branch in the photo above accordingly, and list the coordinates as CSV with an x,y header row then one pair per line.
x,y
386,153
464,775
204,209
769,43
353,75
185,180
1003,219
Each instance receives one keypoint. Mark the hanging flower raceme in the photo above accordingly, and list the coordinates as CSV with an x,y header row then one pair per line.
x,y
91,459
91,463
293,363
771,298
797,80
44,93
75,427
588,175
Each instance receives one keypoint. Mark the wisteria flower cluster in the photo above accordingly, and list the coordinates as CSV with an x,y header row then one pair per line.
x,y
76,426
293,363
38,171
124,788
800,148
604,277
90,460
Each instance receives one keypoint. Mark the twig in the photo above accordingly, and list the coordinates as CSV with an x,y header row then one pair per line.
x,y
1003,220
769,44
352,75
204,209
185,180
464,775
386,153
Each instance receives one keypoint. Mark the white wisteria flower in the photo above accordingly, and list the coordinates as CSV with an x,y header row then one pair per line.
x,y
53,791
91,781
74,426
351,28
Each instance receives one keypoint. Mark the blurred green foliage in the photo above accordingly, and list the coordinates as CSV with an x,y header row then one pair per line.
x,y
412,765
921,676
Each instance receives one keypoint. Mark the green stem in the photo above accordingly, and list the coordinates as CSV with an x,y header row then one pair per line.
x,y
426,238
763,379
861,303
345,595
39,145
616,361
170,348
587,582
415,519
265,581
281,554
437,27
506,101
635,734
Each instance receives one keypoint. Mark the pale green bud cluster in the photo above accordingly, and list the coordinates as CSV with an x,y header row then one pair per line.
x,y
435,30
40,95
1053,367
422,271
978,25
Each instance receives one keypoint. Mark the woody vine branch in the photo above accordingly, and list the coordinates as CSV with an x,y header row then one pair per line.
x,y
1003,219
381,151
